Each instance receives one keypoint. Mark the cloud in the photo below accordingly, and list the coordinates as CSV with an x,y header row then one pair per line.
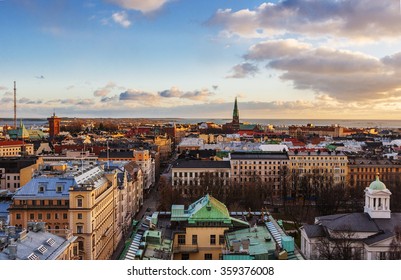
x,y
3,88
6,99
173,92
197,95
41,77
275,48
121,18
341,74
141,97
243,70
109,99
352,19
25,100
105,90
144,6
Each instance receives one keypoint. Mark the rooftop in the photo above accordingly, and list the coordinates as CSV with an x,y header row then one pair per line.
x,y
201,164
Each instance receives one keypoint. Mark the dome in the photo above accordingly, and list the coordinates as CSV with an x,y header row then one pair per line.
x,y
377,185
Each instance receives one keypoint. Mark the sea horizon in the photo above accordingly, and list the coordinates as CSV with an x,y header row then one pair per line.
x,y
351,123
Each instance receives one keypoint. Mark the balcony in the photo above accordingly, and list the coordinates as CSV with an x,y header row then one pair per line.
x,y
185,248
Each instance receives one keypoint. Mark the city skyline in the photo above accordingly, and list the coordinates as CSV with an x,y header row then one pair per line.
x,y
294,59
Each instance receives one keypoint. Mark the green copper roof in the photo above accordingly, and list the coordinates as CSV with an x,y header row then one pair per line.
x,y
377,185
235,112
205,209
209,209
19,133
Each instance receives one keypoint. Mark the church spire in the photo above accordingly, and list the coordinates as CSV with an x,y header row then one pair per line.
x,y
235,111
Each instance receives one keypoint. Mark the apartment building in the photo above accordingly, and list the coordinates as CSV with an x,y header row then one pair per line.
x,y
83,199
17,171
332,163
15,148
262,167
187,174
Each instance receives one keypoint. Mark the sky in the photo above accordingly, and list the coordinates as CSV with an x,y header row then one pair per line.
x,y
289,59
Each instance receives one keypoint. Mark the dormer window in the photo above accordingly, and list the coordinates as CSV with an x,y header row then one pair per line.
x,y
41,189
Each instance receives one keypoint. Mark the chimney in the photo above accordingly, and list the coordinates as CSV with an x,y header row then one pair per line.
x,y
12,251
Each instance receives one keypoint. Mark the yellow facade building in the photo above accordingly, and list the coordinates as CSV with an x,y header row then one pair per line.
x,y
83,200
199,230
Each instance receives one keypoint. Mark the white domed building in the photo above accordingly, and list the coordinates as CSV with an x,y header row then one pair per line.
x,y
372,235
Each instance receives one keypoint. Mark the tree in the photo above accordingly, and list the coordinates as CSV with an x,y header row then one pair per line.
x,y
395,245
168,195
339,244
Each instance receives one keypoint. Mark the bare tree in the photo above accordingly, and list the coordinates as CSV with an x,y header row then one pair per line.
x,y
395,245
168,195
340,244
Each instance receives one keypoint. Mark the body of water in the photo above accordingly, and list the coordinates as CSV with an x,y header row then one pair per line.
x,y
28,122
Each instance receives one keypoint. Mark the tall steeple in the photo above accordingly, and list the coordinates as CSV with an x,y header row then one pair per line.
x,y
235,122
235,111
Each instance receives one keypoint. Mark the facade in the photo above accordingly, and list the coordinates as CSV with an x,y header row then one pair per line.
x,y
15,148
37,244
332,131
54,126
201,229
361,171
141,157
187,174
17,171
332,163
263,167
146,162
163,147
372,235
83,199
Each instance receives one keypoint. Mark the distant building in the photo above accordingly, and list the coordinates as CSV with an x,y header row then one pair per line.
x,y
54,125
21,133
234,125
367,236
332,131
17,171
15,148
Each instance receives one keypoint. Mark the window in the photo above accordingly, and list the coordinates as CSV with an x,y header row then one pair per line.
x,y
18,216
212,239
80,245
79,229
194,239
56,216
221,239
40,216
79,216
32,216
208,257
48,216
184,257
59,202
79,202
65,216
181,239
